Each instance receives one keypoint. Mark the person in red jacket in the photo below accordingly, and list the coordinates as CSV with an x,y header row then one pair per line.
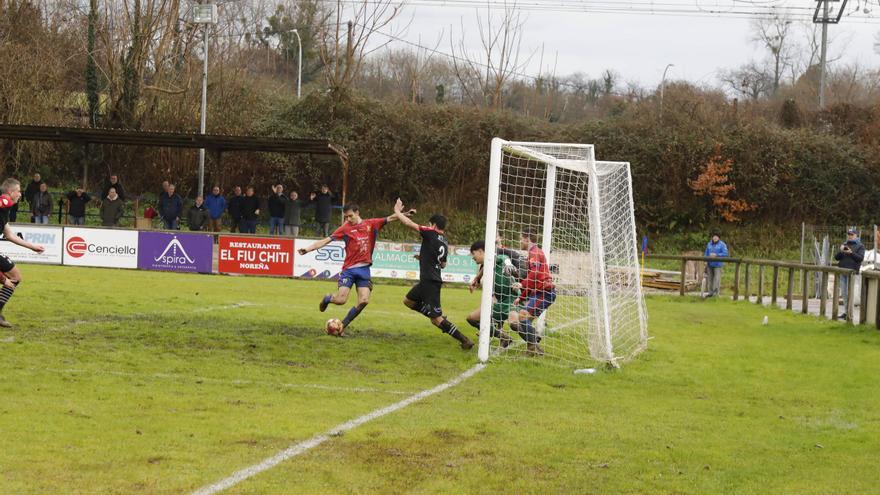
x,y
537,294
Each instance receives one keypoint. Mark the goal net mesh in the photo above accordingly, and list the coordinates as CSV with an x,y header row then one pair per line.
x,y
581,213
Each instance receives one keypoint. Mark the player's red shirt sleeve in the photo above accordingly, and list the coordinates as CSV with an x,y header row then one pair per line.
x,y
339,233
6,201
377,223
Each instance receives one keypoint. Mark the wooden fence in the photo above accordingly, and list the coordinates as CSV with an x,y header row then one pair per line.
x,y
742,285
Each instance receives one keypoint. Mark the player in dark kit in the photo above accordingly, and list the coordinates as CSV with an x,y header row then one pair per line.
x,y
10,193
424,297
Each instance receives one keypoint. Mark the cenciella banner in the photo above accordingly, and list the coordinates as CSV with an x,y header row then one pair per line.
x,y
100,247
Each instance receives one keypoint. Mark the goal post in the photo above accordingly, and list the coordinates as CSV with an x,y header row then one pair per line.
x,y
581,210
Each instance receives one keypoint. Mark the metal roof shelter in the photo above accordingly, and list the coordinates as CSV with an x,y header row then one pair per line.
x,y
216,144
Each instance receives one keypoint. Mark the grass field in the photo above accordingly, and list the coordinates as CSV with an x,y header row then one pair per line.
x,y
140,382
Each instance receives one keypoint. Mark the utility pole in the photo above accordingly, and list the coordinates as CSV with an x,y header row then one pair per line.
x,y
825,18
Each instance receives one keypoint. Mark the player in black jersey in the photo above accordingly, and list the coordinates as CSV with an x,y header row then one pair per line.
x,y
424,297
10,193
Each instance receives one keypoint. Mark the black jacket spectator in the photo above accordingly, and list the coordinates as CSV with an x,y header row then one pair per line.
x,y
323,206
32,189
170,207
41,203
853,259
249,207
197,217
234,207
276,205
77,204
120,191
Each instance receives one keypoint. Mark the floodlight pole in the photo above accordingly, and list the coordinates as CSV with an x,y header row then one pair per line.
x,y
663,86
299,73
201,189
823,56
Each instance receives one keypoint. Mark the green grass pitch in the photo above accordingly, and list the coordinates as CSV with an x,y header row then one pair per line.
x,y
141,382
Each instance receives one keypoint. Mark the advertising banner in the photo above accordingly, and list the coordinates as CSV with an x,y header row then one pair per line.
x,y
100,247
51,238
192,253
323,263
390,260
256,255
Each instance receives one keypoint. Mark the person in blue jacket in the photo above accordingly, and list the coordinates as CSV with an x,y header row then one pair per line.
x,y
715,249
216,205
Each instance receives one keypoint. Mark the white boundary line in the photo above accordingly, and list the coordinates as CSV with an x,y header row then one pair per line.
x,y
305,446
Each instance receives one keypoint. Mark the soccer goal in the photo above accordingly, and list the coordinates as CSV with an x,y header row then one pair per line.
x,y
581,211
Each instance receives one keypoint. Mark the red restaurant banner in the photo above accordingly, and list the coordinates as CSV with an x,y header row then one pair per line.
x,y
256,255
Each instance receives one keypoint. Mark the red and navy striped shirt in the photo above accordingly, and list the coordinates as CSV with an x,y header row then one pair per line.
x,y
538,278
360,240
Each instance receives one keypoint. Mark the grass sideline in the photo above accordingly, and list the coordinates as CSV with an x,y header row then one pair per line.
x,y
143,382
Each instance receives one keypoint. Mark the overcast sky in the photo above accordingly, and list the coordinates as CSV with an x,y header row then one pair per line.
x,y
637,46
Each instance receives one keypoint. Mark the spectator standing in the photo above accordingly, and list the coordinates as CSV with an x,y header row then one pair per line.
x,y
323,201
234,206
114,183
32,189
850,255
276,210
293,214
170,208
716,248
112,208
197,216
41,205
216,205
250,212
76,206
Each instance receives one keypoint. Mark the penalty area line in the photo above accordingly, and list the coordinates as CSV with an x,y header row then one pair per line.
x,y
304,446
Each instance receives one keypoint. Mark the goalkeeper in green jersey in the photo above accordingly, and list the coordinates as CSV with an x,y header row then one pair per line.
x,y
504,294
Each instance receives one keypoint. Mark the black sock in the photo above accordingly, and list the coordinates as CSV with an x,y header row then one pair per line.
x,y
6,294
448,327
474,323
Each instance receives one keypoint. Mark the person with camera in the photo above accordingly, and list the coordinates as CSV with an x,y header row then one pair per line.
x,y
850,255
716,248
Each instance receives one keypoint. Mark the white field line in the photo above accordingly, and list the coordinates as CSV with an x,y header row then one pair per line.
x,y
221,381
305,446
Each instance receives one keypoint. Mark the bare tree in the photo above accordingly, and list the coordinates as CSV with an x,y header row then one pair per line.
x,y
775,34
750,80
344,45
483,78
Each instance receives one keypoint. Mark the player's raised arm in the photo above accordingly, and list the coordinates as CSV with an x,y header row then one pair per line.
x,y
403,217
315,245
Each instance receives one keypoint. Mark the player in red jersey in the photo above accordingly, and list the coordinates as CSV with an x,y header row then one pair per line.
x,y
10,193
360,237
538,293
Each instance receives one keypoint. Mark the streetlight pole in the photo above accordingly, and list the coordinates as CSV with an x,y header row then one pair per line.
x,y
204,116
663,86
299,58
204,13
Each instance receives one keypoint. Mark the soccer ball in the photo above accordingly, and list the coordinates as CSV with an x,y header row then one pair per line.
x,y
334,327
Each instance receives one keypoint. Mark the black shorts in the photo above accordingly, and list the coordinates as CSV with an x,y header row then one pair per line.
x,y
428,295
6,264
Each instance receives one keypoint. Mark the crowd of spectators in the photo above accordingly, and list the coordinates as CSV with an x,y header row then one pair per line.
x,y
242,211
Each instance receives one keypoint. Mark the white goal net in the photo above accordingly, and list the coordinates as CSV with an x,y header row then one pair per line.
x,y
585,304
